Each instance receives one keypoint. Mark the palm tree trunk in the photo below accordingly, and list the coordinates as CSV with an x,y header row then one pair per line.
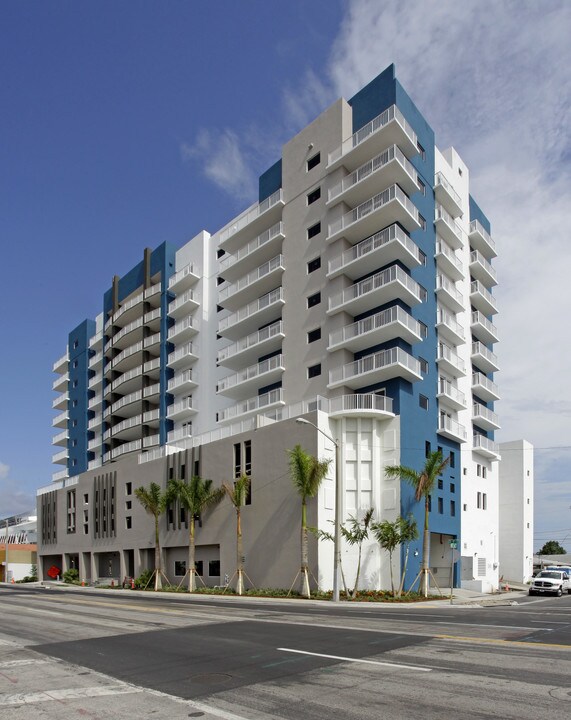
x,y
191,555
425,553
239,568
158,583
401,586
354,593
391,569
305,591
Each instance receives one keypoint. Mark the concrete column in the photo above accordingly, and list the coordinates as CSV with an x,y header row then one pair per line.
x,y
94,568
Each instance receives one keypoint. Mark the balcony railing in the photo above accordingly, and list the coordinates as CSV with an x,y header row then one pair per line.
x,y
361,403
392,234
186,351
180,407
482,298
184,326
186,272
188,298
376,124
126,448
481,239
391,316
271,298
250,215
372,205
132,350
484,416
485,446
392,357
482,326
251,278
449,259
450,392
451,358
487,357
251,340
60,365
185,378
250,373
446,195
448,293
484,387
447,226
479,266
252,405
127,329
263,238
393,274
446,321
450,428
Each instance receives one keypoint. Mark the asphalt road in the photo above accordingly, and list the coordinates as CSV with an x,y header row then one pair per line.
x,y
122,654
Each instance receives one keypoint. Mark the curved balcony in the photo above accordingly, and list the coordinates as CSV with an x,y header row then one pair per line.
x,y
361,405
388,168
132,446
257,404
242,384
447,196
259,281
386,325
258,251
388,128
481,240
246,350
392,205
251,316
121,339
378,367
378,289
447,228
382,248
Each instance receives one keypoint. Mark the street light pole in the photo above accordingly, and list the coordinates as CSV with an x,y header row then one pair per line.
x,y
337,520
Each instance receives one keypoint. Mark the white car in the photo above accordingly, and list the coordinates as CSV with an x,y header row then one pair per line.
x,y
550,581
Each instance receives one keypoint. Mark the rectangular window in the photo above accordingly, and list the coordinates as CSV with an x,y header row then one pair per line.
x,y
484,501
440,484
128,504
314,335
483,471
237,460
479,470
479,500
180,568
248,458
423,330
314,370
71,511
199,567
427,449
313,196
452,508
214,568
423,366
421,186
452,459
452,488
85,498
313,300
313,161
313,230
430,503
313,265
423,402
421,150
182,471
440,506
128,524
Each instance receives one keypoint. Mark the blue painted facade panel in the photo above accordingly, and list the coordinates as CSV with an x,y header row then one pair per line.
x,y
477,214
78,391
270,181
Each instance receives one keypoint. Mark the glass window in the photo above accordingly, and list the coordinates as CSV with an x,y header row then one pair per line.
x,y
313,230
313,195
314,335
314,370
314,161
314,299
214,568
313,265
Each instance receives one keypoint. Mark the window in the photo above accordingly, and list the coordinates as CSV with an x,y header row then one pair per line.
x,y
423,330
313,265
464,507
182,471
314,335
421,150
440,484
75,363
237,460
423,366
452,459
180,568
483,471
128,523
484,501
423,402
313,161
75,344
452,508
128,488
86,498
440,506
71,511
479,471
214,568
421,186
422,257
452,488
313,300
220,253
199,567
313,230
128,504
426,448
219,280
465,471
313,195
314,370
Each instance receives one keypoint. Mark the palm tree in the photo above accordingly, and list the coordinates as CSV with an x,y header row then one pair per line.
x,y
392,534
155,503
307,474
237,494
423,484
356,534
195,497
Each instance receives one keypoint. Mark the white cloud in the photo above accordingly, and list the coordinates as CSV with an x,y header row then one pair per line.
x,y
13,500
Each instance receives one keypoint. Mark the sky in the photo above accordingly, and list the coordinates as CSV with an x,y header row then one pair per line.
x,y
127,124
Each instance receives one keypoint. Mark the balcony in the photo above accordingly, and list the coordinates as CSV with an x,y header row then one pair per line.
x,y
183,304
96,361
60,383
182,383
481,240
60,402
56,477
382,248
388,207
252,222
383,287
483,358
181,410
242,384
96,341
448,261
128,382
482,299
246,350
94,444
484,388
448,295
95,401
448,394
152,392
183,330
379,328
257,282
60,458
449,428
61,365
61,438
128,311
128,358
447,196
259,312
127,429
448,328
259,403
388,128
361,405
61,420
480,269
183,356
482,328
484,417
447,228
259,250
486,447
379,367
180,433
126,406
95,422
183,279
132,446
121,339
450,361
389,168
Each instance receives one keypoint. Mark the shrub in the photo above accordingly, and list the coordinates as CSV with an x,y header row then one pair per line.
x,y
144,580
71,576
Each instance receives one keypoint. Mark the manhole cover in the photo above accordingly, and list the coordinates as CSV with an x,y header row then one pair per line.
x,y
211,678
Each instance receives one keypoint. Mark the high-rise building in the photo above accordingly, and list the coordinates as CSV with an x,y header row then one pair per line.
x,y
357,292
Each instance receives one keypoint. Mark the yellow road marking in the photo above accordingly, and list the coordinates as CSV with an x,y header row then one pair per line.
x,y
500,641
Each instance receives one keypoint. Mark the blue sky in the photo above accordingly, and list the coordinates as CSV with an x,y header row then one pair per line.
x,y
127,124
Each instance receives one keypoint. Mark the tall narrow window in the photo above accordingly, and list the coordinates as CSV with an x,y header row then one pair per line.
x,y
313,161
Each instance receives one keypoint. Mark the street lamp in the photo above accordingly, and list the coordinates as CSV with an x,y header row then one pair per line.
x,y
337,521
